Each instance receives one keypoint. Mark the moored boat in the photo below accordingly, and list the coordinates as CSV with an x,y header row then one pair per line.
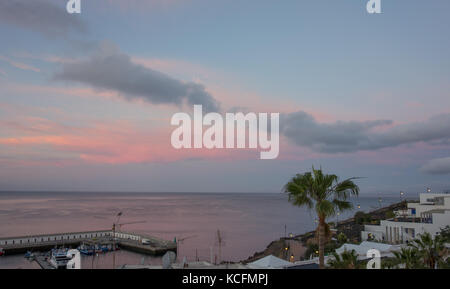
x,y
29,255
58,258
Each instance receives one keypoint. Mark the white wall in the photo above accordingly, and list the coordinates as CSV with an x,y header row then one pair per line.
x,y
52,237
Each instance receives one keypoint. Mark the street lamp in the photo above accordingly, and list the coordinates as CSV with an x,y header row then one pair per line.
x,y
428,190
114,238
401,195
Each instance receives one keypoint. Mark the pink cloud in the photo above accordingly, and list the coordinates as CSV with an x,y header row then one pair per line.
x,y
19,65
103,142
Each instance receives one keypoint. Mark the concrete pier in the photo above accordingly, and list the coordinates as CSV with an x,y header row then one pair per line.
x,y
43,263
126,240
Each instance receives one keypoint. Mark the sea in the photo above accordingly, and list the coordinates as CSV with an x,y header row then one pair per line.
x,y
247,222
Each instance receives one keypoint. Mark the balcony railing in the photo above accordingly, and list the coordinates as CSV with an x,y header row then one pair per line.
x,y
413,220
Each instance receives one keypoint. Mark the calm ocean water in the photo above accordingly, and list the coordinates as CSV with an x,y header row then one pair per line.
x,y
248,222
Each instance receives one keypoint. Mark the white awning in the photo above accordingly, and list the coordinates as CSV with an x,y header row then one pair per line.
x,y
269,262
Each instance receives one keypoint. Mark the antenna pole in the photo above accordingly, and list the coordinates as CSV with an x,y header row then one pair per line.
x,y
220,246
114,246
211,254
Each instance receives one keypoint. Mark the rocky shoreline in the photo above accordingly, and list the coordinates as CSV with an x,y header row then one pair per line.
x,y
351,227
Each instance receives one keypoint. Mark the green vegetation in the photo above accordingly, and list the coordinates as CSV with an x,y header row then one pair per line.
x,y
341,238
409,257
431,250
423,252
325,195
362,218
313,249
389,215
445,234
346,260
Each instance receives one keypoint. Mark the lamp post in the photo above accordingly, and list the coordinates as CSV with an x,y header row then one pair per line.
x,y
428,190
114,239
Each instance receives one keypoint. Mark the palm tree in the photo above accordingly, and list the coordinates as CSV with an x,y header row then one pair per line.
x,y
389,263
431,250
324,194
347,260
410,257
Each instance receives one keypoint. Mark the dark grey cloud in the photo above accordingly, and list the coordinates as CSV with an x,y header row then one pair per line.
x,y
46,17
303,130
437,166
114,70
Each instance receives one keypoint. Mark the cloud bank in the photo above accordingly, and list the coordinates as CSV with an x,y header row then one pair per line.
x,y
114,70
437,166
351,136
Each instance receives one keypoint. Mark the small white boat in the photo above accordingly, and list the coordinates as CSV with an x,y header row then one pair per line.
x,y
58,258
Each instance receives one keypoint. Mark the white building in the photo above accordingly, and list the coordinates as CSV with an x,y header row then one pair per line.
x,y
430,214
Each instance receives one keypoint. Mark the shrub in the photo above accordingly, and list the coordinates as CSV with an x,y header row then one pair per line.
x,y
362,218
341,238
389,215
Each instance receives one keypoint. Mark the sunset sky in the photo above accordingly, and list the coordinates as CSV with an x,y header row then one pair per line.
x,y
86,99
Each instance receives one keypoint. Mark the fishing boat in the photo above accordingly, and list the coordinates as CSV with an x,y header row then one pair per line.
x,y
58,258
29,255
85,250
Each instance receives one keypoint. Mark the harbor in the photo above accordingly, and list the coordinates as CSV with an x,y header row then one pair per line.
x,y
140,243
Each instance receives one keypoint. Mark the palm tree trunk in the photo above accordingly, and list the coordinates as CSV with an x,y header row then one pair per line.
x,y
321,242
432,263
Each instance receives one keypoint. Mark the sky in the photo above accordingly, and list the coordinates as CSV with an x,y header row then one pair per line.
x,y
86,99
